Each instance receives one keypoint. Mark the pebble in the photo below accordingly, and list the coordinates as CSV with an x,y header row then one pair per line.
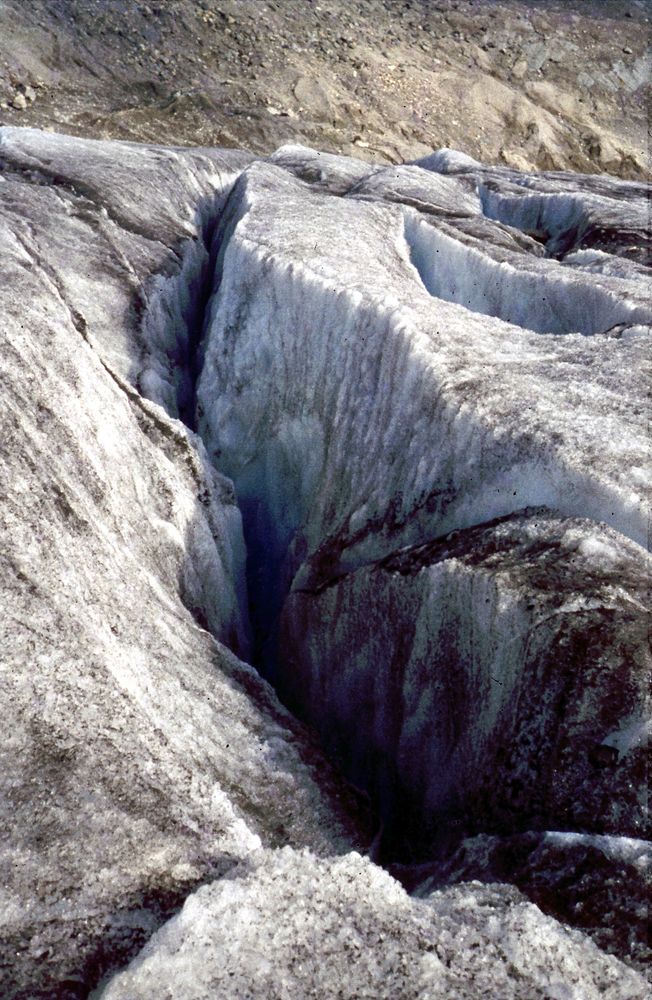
x,y
19,102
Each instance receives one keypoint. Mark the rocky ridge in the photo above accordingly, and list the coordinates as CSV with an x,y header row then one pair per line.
x,y
527,83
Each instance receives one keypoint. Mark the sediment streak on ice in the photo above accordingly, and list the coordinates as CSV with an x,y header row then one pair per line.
x,y
475,683
139,755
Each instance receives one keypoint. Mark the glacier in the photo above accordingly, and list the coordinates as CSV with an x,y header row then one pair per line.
x,y
351,931
464,690
325,496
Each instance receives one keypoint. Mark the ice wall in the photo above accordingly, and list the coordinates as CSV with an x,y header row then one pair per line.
x,y
553,300
360,414
566,211
474,683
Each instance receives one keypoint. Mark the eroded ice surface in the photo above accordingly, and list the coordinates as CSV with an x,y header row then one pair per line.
x,y
243,390
359,413
302,927
475,682
579,877
565,211
139,755
306,408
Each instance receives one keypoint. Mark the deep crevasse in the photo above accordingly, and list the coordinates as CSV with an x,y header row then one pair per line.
x,y
356,407
469,684
355,415
556,301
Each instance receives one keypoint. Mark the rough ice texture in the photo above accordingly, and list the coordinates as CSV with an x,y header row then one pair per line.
x,y
598,882
566,211
139,755
469,684
473,683
288,926
515,288
373,415
344,405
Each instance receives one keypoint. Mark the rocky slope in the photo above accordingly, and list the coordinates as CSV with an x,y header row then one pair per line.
x,y
314,414
528,83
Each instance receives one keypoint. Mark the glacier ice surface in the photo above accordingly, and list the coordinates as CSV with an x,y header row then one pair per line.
x,y
246,402
291,925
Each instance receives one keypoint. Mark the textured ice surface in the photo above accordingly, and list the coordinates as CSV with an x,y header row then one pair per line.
x,y
599,883
336,174
472,683
342,412
566,211
373,415
476,682
288,925
139,756
520,289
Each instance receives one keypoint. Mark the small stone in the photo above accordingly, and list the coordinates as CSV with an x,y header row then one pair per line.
x,y
627,50
30,94
19,102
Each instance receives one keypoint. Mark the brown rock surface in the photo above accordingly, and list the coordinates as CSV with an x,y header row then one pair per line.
x,y
529,83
